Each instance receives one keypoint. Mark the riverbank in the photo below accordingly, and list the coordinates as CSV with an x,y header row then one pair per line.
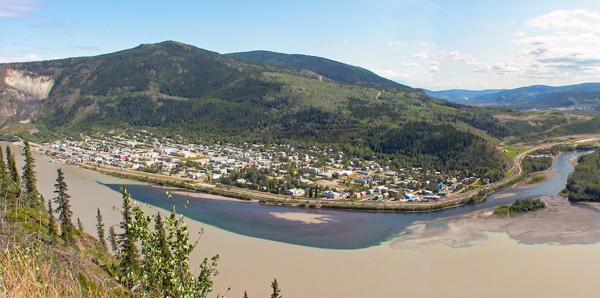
x,y
560,223
434,270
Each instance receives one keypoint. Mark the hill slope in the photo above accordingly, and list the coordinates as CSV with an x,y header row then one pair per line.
x,y
172,88
460,95
582,96
334,70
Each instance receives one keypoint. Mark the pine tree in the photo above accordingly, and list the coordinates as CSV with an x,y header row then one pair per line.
x,y
276,289
63,209
12,171
162,244
100,229
128,255
32,195
51,222
112,237
79,224
245,294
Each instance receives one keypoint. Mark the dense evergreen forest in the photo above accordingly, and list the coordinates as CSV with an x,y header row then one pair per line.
x,y
584,182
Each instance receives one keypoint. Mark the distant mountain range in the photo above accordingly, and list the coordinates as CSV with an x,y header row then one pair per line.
x,y
460,95
581,96
334,70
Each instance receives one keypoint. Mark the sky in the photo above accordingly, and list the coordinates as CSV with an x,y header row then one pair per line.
x,y
430,44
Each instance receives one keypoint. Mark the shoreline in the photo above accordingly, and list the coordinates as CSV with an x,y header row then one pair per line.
x,y
183,186
250,264
560,223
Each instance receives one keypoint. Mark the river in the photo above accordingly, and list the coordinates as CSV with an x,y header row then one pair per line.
x,y
341,229
350,255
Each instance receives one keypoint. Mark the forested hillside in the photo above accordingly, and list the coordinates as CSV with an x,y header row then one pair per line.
x,y
176,89
334,70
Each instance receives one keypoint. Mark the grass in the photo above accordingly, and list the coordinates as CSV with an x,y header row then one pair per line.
x,y
513,151
537,179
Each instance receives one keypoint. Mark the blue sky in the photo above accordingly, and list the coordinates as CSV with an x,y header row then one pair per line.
x,y
429,44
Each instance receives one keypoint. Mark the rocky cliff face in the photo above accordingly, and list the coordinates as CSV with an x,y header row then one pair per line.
x,y
27,86
23,94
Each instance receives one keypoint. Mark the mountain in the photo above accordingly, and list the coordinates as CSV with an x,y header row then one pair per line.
x,y
460,95
581,96
176,89
334,70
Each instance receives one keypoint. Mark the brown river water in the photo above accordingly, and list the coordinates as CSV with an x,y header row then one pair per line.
x,y
495,266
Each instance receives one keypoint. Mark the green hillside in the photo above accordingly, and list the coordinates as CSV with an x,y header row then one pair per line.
x,y
582,96
176,89
334,70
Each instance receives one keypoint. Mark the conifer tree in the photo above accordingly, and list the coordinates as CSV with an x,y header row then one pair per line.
x,y
100,229
161,238
12,171
245,294
112,237
276,289
128,254
64,208
32,195
51,222
79,224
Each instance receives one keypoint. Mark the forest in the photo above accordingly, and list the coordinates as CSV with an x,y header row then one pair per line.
x,y
584,183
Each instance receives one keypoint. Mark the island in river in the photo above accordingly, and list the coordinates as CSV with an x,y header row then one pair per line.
x,y
380,266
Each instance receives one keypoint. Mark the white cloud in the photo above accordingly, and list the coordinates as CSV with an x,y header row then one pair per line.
x,y
390,74
410,64
396,44
569,47
434,69
473,63
565,19
419,56
520,34
452,72
28,58
16,8
346,42
424,44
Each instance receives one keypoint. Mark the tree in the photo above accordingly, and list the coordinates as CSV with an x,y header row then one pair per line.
x,y
64,208
245,294
276,289
112,237
128,253
12,170
79,224
51,222
32,195
100,229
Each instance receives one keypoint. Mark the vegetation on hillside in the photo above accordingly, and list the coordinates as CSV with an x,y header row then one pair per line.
x,y
584,183
42,259
328,68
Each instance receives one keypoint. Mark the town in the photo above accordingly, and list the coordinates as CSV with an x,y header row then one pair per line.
x,y
276,169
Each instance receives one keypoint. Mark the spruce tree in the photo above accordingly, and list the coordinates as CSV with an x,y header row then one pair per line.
x,y
64,208
79,224
276,289
161,244
12,171
245,294
128,255
112,237
32,195
100,229
51,222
